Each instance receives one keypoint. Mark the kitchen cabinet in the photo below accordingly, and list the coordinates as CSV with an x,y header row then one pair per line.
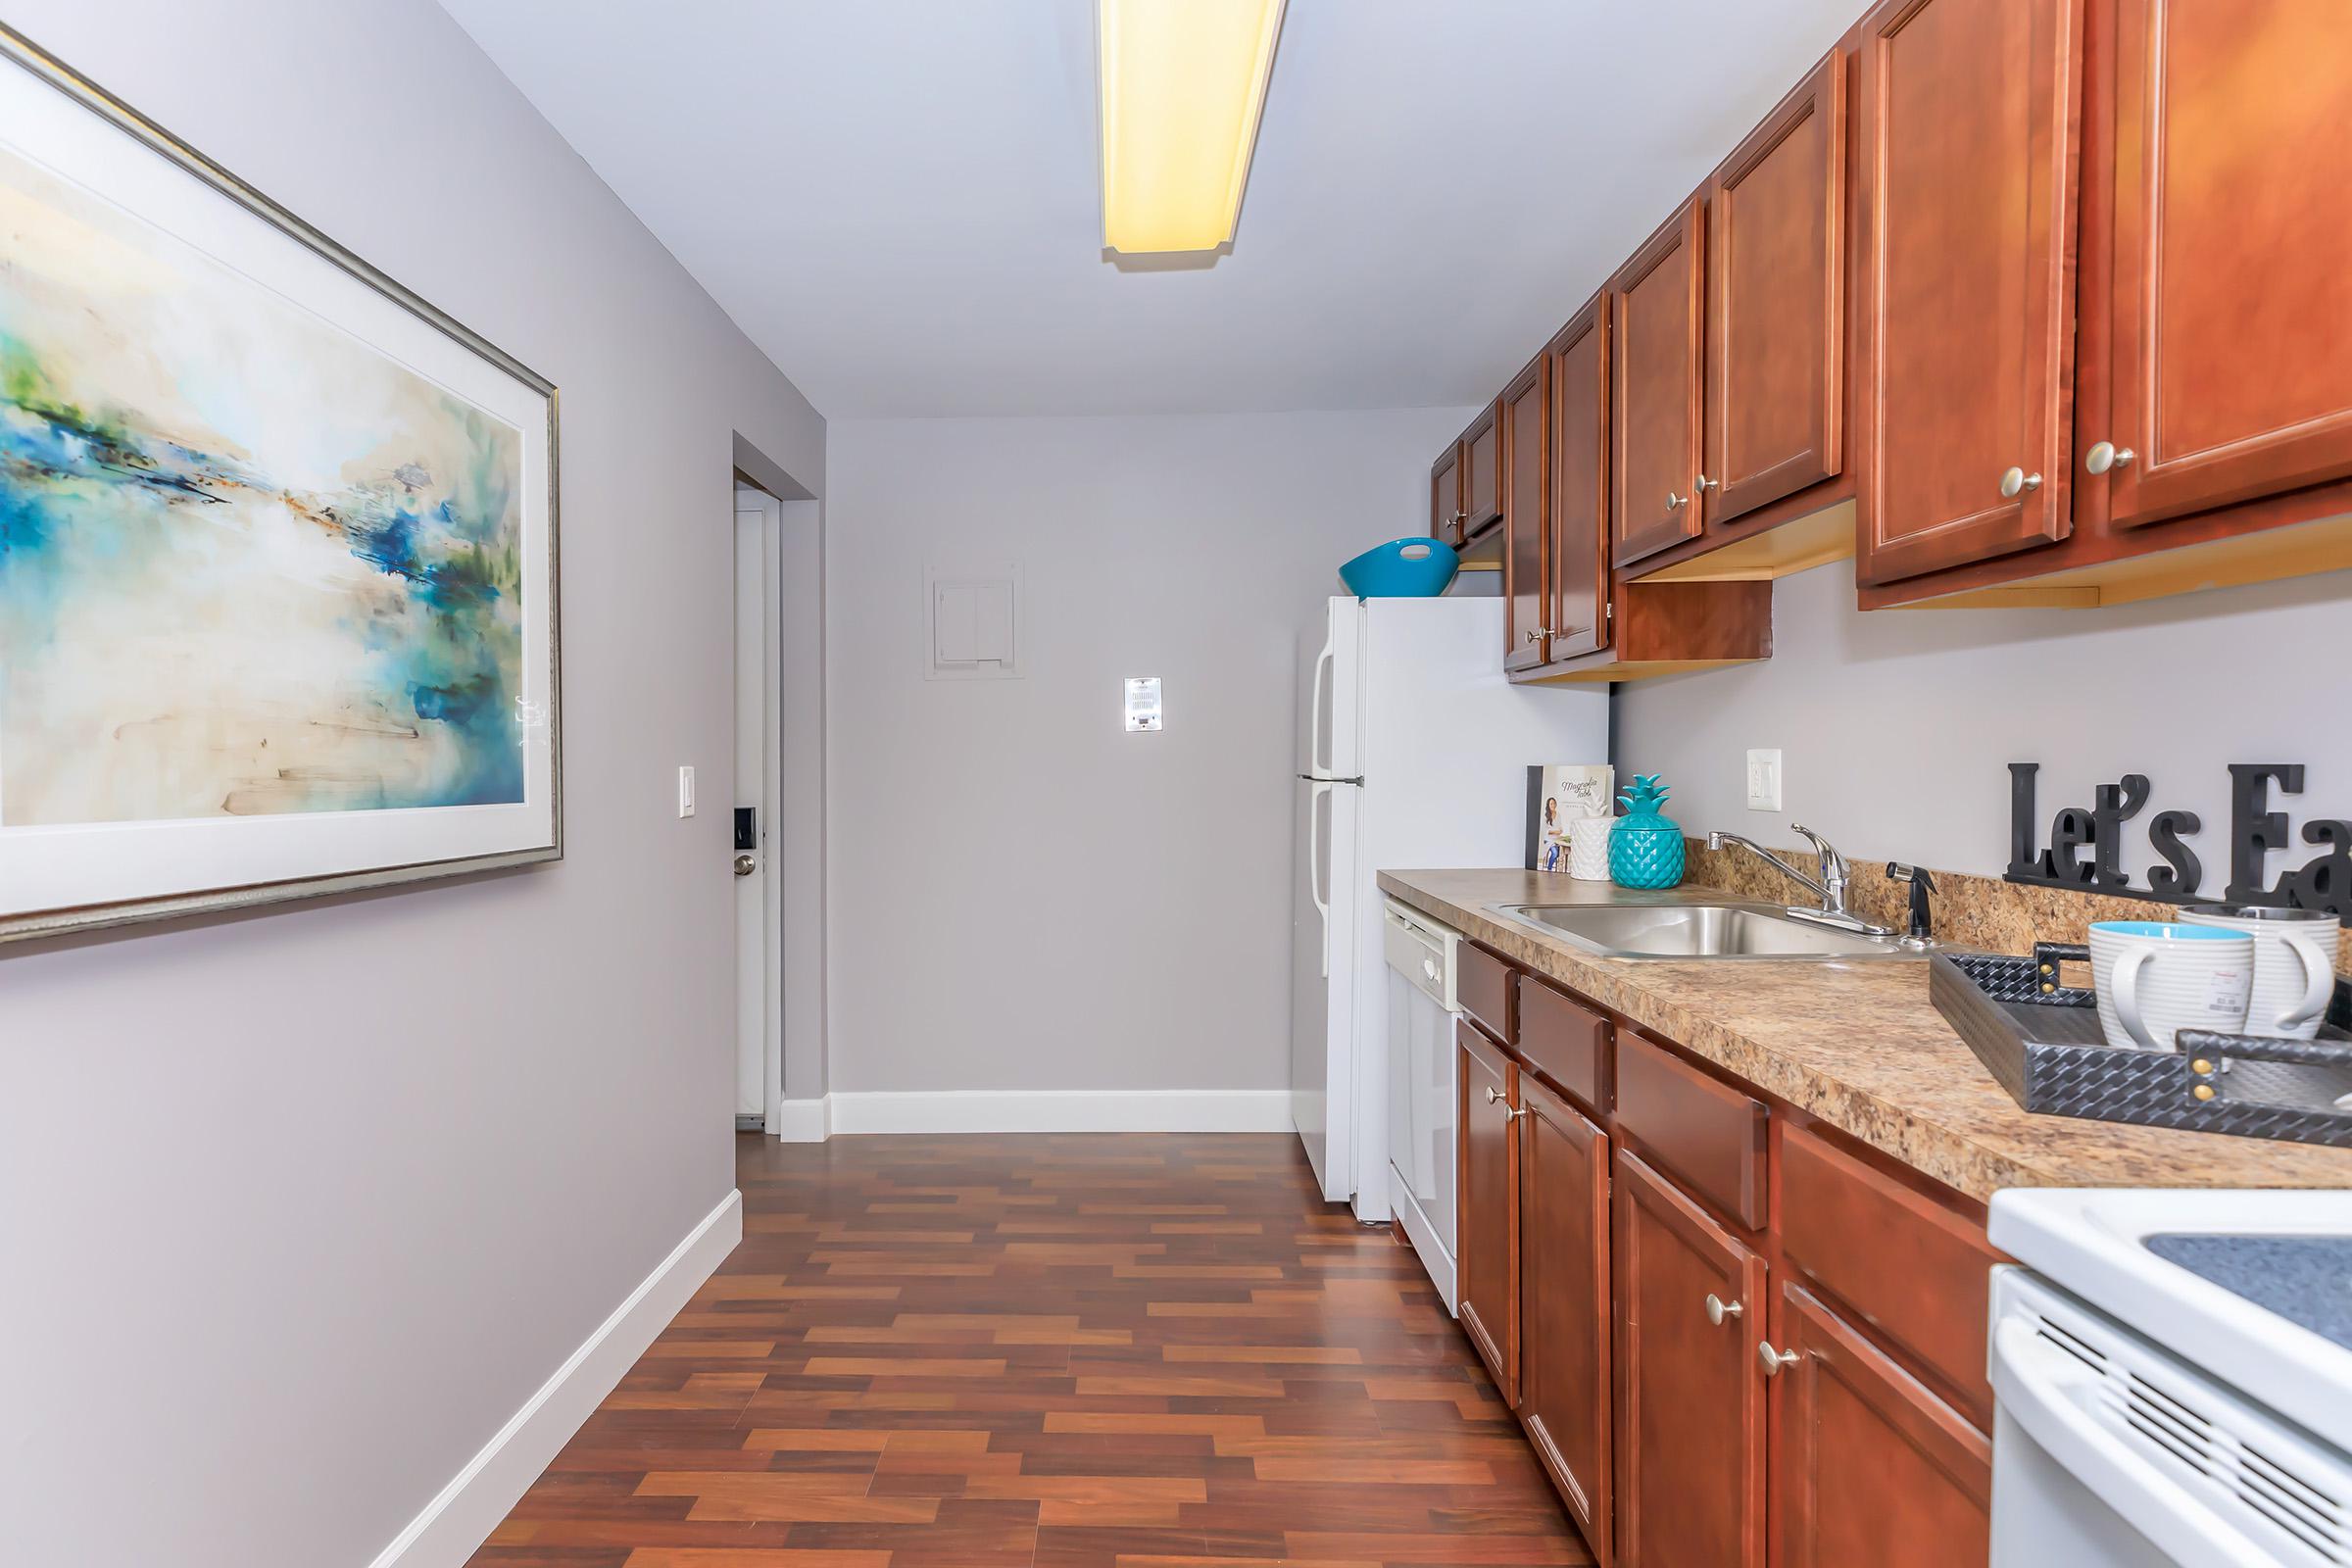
x,y
2230,307
1526,410
1729,1332
1564,1303
1657,332
1690,1436
1868,1465
2210,438
1446,496
1776,305
1482,473
1487,1232
1579,614
1967,123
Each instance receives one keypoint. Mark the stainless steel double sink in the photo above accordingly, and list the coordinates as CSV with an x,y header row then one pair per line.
x,y
1744,931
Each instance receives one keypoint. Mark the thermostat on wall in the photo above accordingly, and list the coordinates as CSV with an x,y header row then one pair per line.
x,y
1142,703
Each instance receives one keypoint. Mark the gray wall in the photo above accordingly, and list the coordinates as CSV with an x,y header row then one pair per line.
x,y
1092,909
1897,726
298,1208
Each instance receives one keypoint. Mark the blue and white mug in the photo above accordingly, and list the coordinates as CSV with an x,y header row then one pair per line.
x,y
2155,978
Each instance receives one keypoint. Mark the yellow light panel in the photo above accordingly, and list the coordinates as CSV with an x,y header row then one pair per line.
x,y
1182,82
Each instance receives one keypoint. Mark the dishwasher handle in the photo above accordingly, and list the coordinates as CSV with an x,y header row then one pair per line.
x,y
1422,953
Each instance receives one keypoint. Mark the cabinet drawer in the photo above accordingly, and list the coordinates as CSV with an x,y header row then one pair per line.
x,y
1915,1273
1707,1132
1563,1039
1482,984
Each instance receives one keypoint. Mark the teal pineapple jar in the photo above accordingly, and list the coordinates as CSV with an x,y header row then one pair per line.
x,y
1645,846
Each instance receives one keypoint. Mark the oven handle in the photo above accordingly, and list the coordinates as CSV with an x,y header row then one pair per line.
x,y
2033,1383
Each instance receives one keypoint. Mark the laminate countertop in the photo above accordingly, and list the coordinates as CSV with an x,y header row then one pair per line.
x,y
1859,1046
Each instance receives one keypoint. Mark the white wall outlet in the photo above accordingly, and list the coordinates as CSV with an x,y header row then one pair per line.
x,y
1764,780
686,791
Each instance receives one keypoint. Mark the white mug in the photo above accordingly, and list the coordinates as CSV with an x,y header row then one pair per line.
x,y
2155,978
2294,963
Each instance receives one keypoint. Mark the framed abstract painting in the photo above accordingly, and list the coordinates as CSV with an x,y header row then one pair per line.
x,y
277,546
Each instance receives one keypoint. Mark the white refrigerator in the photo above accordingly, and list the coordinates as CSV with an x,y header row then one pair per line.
x,y
1413,753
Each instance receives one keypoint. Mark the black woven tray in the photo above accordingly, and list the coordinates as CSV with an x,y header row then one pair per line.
x,y
2041,1041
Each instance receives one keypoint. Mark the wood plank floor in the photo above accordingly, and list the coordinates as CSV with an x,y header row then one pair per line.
x,y
1047,1351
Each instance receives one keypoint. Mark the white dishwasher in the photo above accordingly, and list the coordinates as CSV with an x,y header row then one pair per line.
x,y
1420,976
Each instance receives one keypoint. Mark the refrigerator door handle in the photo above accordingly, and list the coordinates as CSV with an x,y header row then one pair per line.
x,y
1317,789
1316,762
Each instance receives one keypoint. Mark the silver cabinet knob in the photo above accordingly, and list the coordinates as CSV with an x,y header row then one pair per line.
x,y
2017,479
1702,483
745,865
1494,1096
2107,455
1536,636
1675,502
1775,1361
1523,1111
1718,1310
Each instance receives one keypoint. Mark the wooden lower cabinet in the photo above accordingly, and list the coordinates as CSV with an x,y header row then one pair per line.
x,y
1869,1466
1486,1234
1691,1440
1564,1392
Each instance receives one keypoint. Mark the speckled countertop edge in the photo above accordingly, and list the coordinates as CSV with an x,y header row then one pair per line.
x,y
1859,1046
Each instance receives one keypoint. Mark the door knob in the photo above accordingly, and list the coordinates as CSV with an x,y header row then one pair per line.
x,y
1776,1361
1718,1310
2107,455
2017,479
745,865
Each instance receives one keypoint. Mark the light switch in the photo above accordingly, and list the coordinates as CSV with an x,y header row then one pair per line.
x,y
1764,780
686,791
1142,703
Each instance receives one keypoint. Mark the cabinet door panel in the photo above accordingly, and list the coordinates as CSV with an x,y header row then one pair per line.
x,y
1776,325
1968,121
1482,473
1487,1227
1580,482
1869,1465
1564,1316
2232,310
1446,497
1690,1449
1526,516
1656,350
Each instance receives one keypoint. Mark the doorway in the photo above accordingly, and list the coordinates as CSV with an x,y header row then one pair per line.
x,y
757,767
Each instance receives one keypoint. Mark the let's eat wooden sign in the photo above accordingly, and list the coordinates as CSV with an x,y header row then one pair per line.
x,y
2084,852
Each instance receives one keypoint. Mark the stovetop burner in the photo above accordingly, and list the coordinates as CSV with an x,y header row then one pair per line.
x,y
2305,1279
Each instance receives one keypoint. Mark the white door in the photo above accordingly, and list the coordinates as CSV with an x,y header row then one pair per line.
x,y
757,954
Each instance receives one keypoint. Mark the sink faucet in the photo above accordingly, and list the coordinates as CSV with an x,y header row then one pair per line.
x,y
1830,888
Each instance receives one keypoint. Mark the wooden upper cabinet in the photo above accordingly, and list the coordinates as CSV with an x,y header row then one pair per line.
x,y
1691,1440
1526,516
1446,496
1579,481
1656,348
2233,296
1564,1317
1486,1196
1776,302
1481,471
1868,1465
1967,124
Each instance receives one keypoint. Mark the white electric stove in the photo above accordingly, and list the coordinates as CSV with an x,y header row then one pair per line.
x,y
2172,1372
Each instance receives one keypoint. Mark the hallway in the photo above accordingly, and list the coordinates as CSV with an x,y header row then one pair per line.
x,y
1067,1351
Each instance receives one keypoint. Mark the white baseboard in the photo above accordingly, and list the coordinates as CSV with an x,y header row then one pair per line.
x,y
802,1121
1063,1110
457,1521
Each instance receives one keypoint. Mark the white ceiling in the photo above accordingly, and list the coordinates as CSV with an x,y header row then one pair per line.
x,y
897,198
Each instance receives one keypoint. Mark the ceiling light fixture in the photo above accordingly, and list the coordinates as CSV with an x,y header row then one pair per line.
x,y
1182,84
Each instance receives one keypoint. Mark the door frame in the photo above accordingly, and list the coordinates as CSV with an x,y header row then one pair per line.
x,y
750,498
